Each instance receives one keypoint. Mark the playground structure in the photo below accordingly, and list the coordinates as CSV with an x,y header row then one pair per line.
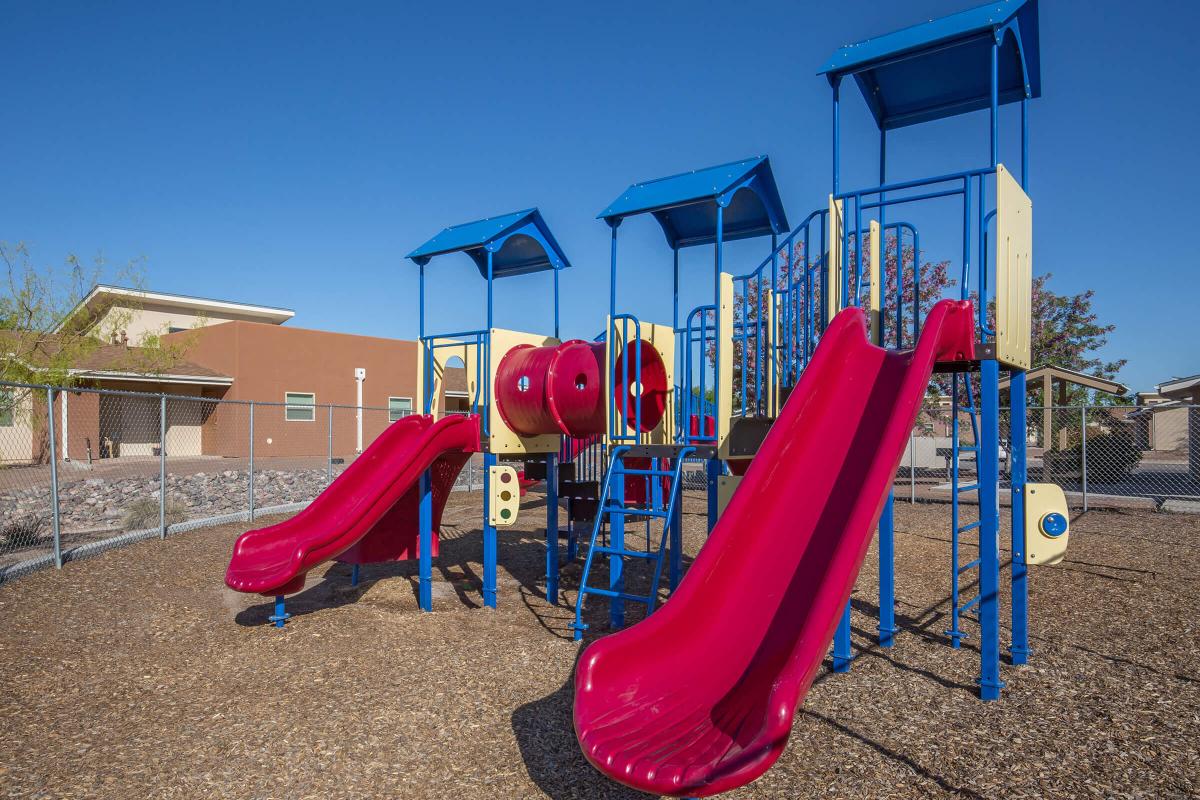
x,y
799,418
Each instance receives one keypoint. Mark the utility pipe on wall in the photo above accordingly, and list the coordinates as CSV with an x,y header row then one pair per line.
x,y
360,374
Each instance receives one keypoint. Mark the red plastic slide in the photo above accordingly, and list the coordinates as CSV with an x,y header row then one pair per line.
x,y
699,697
368,514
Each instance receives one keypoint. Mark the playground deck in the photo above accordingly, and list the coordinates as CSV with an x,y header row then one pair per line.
x,y
137,674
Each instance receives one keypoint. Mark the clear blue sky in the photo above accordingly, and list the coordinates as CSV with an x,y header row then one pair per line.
x,y
291,153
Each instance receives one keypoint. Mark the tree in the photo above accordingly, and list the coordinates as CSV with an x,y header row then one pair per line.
x,y
44,339
750,305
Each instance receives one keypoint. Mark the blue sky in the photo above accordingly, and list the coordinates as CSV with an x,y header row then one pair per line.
x,y
292,153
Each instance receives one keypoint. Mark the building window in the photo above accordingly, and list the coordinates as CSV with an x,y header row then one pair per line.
x,y
6,408
399,407
301,407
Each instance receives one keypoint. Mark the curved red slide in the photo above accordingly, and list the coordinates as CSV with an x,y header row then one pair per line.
x,y
368,514
699,697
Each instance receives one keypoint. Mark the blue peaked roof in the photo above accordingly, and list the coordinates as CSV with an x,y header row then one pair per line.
x,y
520,243
685,205
942,67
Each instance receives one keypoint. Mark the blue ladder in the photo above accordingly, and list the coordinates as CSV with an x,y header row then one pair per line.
x,y
957,488
613,510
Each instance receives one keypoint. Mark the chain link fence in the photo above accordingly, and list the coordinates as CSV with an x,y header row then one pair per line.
x,y
83,470
1132,457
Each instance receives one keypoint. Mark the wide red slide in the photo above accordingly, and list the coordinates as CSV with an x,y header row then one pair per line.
x,y
698,698
368,514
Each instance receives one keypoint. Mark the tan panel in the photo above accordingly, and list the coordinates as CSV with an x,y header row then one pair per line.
x,y
467,351
662,339
726,486
833,264
1014,271
503,439
724,377
504,505
770,300
1041,546
876,267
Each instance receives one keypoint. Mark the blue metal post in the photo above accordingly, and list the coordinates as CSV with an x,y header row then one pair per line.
x,y
887,528
681,348
989,532
616,531
555,271
354,574
714,465
280,616
489,534
675,565
995,109
425,545
552,528
1017,441
1025,144
837,135
841,643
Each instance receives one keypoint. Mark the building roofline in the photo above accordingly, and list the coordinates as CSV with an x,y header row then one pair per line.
x,y
1178,385
281,315
142,377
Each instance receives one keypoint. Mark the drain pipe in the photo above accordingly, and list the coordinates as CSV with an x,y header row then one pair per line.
x,y
360,374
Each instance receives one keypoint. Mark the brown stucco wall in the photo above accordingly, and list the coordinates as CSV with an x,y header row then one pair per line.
x,y
266,361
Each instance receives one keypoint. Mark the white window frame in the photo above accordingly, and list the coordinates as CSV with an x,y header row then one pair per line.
x,y
288,406
403,415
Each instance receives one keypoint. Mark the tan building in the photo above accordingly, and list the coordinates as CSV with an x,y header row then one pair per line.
x,y
230,351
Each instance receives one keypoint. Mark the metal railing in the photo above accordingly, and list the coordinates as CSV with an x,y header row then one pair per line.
x,y
83,470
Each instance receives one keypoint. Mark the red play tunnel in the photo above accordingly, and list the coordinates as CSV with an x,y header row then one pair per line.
x,y
560,389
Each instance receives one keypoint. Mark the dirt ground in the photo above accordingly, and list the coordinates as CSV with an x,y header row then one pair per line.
x,y
137,674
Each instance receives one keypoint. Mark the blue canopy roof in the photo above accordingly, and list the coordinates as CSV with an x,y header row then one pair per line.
x,y
520,243
685,205
942,67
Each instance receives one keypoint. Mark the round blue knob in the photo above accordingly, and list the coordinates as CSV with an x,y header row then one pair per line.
x,y
1054,524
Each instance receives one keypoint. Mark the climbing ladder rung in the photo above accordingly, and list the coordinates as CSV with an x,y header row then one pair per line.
x,y
971,565
970,526
618,551
970,487
969,604
636,598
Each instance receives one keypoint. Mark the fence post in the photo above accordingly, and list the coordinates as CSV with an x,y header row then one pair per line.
x,y
912,468
1083,451
329,461
251,467
162,466
58,559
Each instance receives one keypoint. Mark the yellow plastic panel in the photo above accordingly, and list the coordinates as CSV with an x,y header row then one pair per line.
x,y
505,496
726,486
833,265
662,339
876,266
1044,543
467,351
1014,271
503,439
724,378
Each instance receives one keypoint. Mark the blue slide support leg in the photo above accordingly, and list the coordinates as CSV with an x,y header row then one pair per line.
x,y
551,529
280,616
425,545
841,643
489,534
616,565
713,472
887,572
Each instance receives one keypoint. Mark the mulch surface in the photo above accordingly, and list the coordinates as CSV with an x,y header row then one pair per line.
x,y
137,674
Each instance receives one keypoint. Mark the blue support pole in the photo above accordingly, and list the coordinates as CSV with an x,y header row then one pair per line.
x,y
837,135
713,473
1019,651
552,528
841,642
887,572
280,616
989,532
425,545
489,534
354,574
616,532
675,563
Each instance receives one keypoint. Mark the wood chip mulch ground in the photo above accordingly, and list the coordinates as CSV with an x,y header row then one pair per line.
x,y
137,674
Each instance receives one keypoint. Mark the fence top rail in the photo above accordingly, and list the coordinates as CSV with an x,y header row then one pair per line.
x,y
189,398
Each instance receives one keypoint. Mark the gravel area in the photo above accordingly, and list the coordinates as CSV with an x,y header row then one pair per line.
x,y
137,674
